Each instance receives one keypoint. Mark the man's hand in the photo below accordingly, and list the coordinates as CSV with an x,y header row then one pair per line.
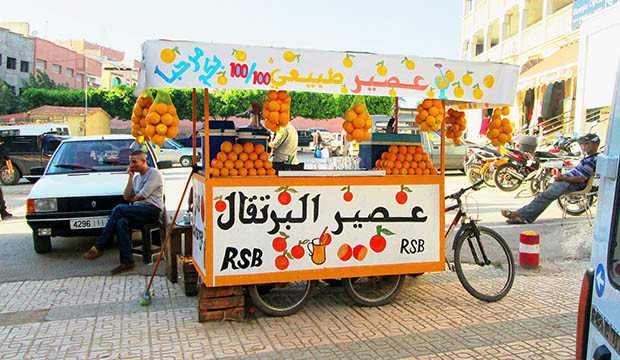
x,y
130,173
560,177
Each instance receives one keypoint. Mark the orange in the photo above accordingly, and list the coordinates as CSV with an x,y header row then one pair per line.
x,y
424,156
172,132
400,157
507,129
359,123
274,106
252,156
389,164
495,123
358,135
229,164
419,171
258,164
378,163
243,172
493,134
348,126
411,171
263,156
226,146
398,164
410,150
505,110
167,119
505,122
283,116
153,118
282,95
233,172
367,135
350,115
137,110
252,172
385,155
349,137
259,148
409,157
417,157
161,108
224,172
172,110
437,103
427,171
232,156
423,114
402,149
238,164
248,164
243,156
368,123
393,149
430,120
237,148
248,147
274,117
358,108
427,103
503,138
161,129
433,111
418,149
414,164
429,164
215,172
136,133
261,172
145,112
221,156
267,164
404,171
149,131
218,164
422,165
266,114
388,171
393,157
406,164
285,107
272,95
271,172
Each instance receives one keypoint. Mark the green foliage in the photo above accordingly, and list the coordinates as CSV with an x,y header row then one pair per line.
x,y
119,101
9,103
42,81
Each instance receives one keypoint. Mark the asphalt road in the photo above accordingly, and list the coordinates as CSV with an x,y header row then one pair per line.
x,y
18,260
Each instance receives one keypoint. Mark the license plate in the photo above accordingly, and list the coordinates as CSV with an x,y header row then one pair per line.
x,y
88,223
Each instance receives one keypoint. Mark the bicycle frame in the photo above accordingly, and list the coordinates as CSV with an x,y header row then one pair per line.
x,y
461,216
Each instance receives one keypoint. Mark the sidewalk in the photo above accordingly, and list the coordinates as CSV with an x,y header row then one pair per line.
x,y
433,317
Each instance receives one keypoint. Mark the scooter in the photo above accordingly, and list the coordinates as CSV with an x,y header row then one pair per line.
x,y
520,167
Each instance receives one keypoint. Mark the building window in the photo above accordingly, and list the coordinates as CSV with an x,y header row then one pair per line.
x,y
69,72
57,68
478,42
511,22
11,63
559,4
466,49
493,34
533,11
24,66
40,64
116,81
79,78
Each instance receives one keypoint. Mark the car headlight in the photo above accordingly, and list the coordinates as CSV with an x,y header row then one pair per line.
x,y
42,205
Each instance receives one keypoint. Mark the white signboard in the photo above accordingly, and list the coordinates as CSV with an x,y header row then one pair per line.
x,y
263,230
185,64
199,216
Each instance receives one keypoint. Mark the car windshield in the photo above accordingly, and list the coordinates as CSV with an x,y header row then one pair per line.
x,y
93,156
175,144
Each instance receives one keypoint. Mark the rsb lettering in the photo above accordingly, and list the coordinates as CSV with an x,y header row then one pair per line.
x,y
413,246
243,259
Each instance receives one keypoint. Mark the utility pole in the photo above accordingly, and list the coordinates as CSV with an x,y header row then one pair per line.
x,y
85,95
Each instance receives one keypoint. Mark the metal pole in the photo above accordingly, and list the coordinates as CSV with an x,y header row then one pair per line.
x,y
442,163
205,138
85,95
396,114
194,126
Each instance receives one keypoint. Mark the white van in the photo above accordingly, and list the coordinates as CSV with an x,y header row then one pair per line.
x,y
598,323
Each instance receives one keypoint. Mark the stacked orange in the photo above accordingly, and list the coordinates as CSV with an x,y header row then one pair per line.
x,y
277,110
405,160
500,128
357,122
430,115
138,116
161,120
241,160
455,125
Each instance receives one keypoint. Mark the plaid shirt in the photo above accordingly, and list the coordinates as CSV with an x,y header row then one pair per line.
x,y
585,168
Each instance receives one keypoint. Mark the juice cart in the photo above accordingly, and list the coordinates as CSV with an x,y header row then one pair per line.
x,y
279,234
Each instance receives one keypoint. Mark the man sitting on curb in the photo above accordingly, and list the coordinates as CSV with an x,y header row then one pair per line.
x,y
145,192
574,180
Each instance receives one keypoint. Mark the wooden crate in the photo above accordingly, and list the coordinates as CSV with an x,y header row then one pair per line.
x,y
180,243
187,275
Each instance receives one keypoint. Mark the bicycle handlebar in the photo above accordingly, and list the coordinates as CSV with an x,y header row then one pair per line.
x,y
460,193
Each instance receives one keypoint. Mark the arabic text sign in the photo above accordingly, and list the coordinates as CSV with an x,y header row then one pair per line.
x,y
262,230
182,64
198,233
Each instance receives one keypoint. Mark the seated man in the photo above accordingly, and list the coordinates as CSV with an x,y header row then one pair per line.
x,y
145,192
574,180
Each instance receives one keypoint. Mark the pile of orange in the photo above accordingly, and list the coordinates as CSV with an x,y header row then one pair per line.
x,y
159,123
455,125
430,115
138,116
405,160
357,123
277,110
500,128
241,160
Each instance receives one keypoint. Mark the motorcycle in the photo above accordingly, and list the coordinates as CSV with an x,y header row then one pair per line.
x,y
477,163
520,167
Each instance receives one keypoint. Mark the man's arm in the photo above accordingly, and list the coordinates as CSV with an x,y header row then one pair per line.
x,y
572,179
128,192
154,181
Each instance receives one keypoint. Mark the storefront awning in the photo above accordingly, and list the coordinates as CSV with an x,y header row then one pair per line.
x,y
561,65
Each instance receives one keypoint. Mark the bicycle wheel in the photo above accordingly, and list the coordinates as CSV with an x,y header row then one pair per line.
x,y
281,299
373,291
484,264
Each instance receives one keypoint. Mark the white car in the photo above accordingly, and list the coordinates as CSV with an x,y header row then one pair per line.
x,y
82,182
175,152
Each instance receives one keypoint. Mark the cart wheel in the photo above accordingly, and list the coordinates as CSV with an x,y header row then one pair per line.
x,y
281,299
373,291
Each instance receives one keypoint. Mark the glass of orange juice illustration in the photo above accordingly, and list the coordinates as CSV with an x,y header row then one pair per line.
x,y
316,249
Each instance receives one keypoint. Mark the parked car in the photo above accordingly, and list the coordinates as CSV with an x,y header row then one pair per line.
x,y
26,152
82,182
454,153
177,153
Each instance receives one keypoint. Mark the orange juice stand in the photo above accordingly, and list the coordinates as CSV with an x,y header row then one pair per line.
x,y
300,226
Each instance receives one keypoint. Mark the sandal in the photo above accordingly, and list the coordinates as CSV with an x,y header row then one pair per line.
x,y
508,214
516,221
93,253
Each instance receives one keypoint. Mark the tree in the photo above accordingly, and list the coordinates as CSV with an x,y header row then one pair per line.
x,y
41,80
9,102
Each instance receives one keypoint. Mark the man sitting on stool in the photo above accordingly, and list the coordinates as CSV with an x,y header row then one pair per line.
x,y
574,180
145,192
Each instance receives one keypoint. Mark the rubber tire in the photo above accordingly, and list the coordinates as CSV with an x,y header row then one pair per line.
x,y
348,288
13,180
256,291
42,244
499,184
488,177
459,270
185,161
473,173
578,212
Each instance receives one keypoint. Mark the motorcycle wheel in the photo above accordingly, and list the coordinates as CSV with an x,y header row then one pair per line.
x,y
574,205
473,173
504,179
488,176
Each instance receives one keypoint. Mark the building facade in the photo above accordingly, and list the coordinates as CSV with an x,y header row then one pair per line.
x,y
16,55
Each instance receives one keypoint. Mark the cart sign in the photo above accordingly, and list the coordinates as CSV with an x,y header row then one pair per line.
x,y
266,234
184,64
199,215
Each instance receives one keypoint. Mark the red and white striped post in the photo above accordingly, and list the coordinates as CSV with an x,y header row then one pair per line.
x,y
529,249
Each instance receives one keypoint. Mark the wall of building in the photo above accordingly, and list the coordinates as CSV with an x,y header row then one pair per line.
x,y
66,66
21,49
98,124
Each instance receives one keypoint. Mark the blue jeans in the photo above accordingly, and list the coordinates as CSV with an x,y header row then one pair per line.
x,y
532,211
122,218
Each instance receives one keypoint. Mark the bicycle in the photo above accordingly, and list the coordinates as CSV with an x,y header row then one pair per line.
x,y
487,271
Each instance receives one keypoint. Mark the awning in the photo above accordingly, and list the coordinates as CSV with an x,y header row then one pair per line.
x,y
561,65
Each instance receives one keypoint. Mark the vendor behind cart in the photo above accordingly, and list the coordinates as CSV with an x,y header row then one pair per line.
x,y
284,145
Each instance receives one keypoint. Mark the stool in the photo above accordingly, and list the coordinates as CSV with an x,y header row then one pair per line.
x,y
180,243
150,241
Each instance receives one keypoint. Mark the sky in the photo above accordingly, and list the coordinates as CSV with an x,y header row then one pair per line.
x,y
405,27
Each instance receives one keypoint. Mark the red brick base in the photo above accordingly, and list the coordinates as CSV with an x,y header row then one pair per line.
x,y
221,303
